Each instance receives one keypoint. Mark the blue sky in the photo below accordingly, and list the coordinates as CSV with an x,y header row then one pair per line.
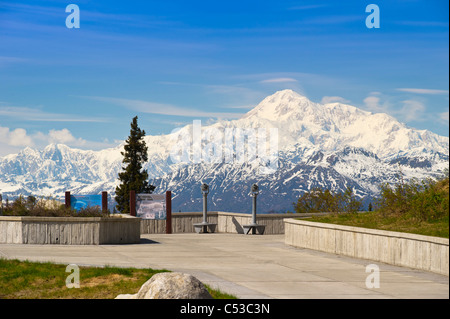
x,y
171,62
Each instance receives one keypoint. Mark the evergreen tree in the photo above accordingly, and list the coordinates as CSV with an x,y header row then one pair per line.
x,y
133,177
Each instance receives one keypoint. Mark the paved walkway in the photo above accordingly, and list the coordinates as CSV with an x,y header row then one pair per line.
x,y
248,266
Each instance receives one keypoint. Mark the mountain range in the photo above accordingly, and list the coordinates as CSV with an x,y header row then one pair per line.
x,y
305,145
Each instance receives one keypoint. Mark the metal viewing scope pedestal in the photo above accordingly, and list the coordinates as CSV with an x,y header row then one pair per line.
x,y
254,227
204,226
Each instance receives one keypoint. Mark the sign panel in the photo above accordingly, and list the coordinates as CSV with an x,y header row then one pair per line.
x,y
78,202
151,206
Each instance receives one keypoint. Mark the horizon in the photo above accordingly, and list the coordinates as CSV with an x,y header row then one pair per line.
x,y
170,64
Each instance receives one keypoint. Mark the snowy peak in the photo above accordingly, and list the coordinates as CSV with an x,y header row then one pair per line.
x,y
287,106
295,113
332,126
282,106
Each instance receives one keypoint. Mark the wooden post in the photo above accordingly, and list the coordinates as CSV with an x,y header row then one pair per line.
x,y
67,199
168,212
132,203
104,201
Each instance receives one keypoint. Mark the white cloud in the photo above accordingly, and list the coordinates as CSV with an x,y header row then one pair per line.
x,y
241,107
279,80
299,77
412,110
236,93
373,104
160,108
64,137
423,91
32,114
333,99
407,110
444,117
17,137
12,141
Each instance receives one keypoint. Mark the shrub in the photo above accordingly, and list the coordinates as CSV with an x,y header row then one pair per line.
x,y
319,200
426,200
47,207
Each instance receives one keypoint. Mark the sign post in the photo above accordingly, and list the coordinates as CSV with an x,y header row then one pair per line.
x,y
132,203
67,199
168,212
104,201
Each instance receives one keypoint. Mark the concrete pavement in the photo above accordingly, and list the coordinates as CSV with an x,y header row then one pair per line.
x,y
248,266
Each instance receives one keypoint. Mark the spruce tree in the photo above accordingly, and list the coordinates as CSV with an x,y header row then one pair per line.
x,y
133,177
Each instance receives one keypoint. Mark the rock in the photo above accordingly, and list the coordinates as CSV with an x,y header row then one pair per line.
x,y
126,296
171,285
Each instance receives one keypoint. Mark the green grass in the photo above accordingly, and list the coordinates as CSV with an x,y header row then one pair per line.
x,y
219,294
417,207
33,280
376,220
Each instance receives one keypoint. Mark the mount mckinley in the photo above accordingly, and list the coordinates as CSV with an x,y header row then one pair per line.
x,y
332,146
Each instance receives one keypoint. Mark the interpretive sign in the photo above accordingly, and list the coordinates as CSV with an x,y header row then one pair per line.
x,y
78,202
151,206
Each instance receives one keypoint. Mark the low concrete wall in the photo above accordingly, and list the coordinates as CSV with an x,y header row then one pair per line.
x,y
69,230
226,222
395,248
181,223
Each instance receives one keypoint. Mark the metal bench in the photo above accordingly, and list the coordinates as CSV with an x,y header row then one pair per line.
x,y
205,228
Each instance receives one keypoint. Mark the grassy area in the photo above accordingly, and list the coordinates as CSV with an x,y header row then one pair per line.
x,y
219,294
33,280
376,220
418,207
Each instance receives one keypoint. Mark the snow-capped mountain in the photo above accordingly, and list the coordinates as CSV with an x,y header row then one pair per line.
x,y
296,145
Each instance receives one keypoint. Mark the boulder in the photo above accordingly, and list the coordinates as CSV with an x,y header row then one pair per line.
x,y
170,285
126,296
